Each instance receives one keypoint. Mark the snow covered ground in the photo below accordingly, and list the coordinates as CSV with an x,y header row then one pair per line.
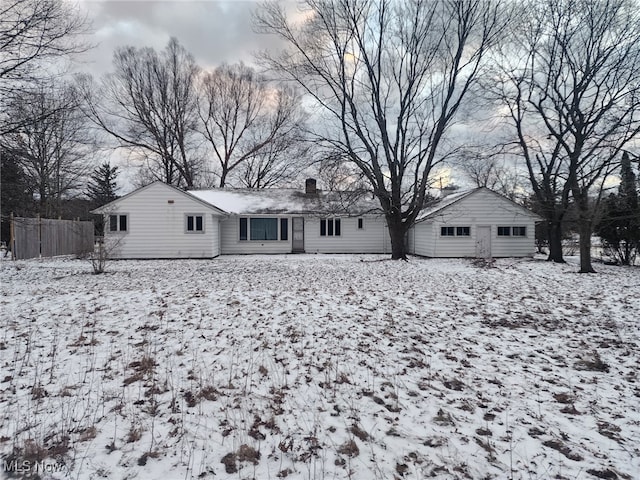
x,y
319,367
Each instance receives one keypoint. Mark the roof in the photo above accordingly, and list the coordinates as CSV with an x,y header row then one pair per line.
x,y
437,208
290,201
108,207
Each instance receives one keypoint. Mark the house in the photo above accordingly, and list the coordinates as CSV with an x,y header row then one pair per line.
x,y
474,223
160,221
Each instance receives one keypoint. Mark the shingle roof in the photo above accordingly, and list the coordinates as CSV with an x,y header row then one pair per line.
x,y
290,201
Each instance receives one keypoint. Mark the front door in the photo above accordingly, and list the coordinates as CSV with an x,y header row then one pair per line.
x,y
483,242
297,245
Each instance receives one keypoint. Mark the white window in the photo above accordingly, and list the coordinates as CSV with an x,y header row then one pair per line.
x,y
361,224
263,229
118,223
455,231
194,223
512,231
330,227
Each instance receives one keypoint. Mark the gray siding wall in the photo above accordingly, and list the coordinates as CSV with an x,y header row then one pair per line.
x,y
373,238
481,208
230,243
422,234
156,228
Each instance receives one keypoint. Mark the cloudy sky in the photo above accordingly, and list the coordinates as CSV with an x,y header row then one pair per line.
x,y
214,31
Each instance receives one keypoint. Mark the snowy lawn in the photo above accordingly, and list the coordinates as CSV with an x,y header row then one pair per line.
x,y
319,367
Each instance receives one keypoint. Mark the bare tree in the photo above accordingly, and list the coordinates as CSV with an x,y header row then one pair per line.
x,y
248,122
492,170
277,164
52,145
573,99
33,34
389,78
149,106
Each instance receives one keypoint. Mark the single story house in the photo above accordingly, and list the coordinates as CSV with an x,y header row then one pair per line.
x,y
161,221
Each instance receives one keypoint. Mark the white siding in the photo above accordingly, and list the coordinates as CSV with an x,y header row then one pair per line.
x,y
373,238
423,239
156,228
232,245
481,208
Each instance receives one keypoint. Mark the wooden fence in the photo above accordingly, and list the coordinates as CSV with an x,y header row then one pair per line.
x,y
35,237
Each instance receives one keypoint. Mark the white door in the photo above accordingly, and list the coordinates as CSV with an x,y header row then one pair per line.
x,y
297,246
483,242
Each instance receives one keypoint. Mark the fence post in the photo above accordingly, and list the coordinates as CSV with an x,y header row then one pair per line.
x,y
39,236
12,237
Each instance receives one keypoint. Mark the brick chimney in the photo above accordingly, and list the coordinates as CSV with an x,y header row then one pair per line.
x,y
310,186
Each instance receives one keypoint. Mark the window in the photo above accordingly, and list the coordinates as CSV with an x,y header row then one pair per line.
x,y
117,223
455,231
195,223
243,229
330,227
360,223
504,231
519,231
263,229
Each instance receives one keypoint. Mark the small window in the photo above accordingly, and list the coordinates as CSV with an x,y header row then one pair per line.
x,y
195,223
243,229
463,231
330,227
447,231
504,231
519,231
360,223
284,229
117,223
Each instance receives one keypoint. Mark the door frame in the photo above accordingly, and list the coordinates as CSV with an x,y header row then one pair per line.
x,y
300,243
483,228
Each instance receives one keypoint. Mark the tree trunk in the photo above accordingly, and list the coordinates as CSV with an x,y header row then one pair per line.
x,y
397,233
585,245
555,241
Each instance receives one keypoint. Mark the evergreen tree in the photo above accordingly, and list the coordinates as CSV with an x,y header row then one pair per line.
x,y
620,224
102,186
15,195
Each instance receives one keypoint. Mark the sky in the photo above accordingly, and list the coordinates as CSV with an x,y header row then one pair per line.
x,y
214,31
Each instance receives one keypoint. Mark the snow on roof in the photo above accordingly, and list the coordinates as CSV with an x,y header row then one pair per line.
x,y
282,200
443,203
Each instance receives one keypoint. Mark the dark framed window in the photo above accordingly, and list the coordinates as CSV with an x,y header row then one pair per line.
x,y
360,223
243,229
448,231
263,228
463,231
519,231
504,231
330,227
118,223
284,229
195,223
